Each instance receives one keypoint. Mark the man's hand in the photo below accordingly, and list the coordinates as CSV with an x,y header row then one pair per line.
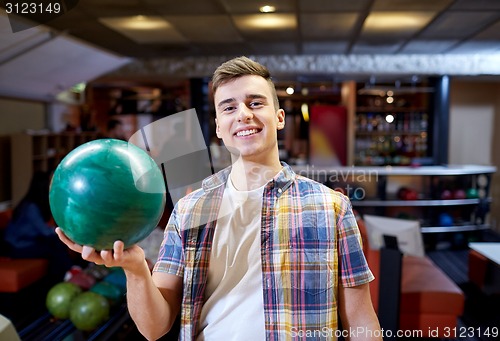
x,y
130,259
153,300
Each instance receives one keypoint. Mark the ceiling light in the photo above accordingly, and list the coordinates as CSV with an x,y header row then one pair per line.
x,y
267,9
144,29
399,21
144,23
290,90
269,21
137,22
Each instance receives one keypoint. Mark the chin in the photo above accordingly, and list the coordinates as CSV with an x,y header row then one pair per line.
x,y
234,151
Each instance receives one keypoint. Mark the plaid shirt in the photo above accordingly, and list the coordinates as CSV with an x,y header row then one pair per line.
x,y
309,238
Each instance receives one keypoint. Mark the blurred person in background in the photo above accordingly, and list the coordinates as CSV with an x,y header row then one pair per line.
x,y
31,231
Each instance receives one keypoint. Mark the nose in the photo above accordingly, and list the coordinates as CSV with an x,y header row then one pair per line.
x,y
244,113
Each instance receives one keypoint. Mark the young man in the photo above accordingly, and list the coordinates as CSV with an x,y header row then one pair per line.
x,y
258,253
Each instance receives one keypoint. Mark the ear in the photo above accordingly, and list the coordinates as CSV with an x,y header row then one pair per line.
x,y
280,117
217,129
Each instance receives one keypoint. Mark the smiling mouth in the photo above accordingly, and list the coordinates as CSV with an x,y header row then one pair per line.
x,y
247,132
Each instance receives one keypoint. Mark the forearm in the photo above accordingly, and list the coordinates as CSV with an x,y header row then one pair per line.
x,y
147,306
364,329
357,314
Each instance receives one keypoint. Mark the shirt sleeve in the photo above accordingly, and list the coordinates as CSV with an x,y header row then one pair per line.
x,y
171,255
354,268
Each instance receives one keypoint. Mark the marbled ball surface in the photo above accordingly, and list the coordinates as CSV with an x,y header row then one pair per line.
x,y
107,190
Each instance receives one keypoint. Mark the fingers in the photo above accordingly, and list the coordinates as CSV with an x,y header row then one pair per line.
x,y
88,253
72,245
107,257
118,248
103,257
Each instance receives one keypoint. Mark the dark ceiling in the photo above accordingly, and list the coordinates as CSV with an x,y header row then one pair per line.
x,y
233,27
303,41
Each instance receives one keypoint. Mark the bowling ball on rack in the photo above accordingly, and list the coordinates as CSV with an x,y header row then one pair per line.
x,y
356,193
445,219
446,194
59,298
118,278
411,195
459,194
83,280
472,193
89,310
97,271
107,190
112,292
402,193
405,193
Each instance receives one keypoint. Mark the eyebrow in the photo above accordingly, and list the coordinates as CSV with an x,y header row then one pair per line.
x,y
226,101
256,96
232,99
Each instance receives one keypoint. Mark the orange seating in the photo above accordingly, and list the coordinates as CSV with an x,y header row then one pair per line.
x,y
429,301
478,265
484,273
16,274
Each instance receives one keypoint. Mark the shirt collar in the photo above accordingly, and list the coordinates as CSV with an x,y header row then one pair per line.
x,y
280,182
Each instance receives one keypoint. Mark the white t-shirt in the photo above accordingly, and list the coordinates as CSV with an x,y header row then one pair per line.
x,y
234,305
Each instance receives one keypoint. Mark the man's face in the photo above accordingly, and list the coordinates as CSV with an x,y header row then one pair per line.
x,y
247,120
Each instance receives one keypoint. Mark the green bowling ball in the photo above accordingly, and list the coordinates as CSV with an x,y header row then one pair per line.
x,y
472,193
59,298
89,310
107,190
112,292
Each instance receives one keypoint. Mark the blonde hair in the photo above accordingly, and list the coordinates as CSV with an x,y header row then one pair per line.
x,y
239,67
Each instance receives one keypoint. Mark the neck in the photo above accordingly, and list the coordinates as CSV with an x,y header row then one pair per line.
x,y
248,175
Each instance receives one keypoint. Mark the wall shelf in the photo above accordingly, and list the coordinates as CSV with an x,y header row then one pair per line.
x,y
416,203
435,212
31,152
455,228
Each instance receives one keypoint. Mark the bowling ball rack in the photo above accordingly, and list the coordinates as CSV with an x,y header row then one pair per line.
x,y
47,328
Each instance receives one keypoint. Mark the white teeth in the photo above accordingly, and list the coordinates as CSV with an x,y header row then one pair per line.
x,y
246,132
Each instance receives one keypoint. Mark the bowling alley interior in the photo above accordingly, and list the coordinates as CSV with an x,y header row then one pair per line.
x,y
395,104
